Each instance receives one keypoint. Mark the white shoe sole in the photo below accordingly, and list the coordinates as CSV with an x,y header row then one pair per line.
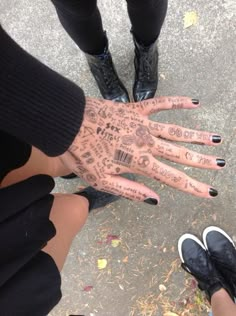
x,y
217,229
183,238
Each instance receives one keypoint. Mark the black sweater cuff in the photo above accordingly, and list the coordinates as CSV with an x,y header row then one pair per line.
x,y
37,105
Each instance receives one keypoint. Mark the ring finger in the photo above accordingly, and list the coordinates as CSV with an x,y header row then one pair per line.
x,y
185,156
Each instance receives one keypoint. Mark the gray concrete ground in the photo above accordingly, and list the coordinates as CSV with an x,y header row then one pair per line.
x,y
198,62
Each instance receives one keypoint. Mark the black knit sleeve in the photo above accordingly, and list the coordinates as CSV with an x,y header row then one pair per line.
x,y
37,105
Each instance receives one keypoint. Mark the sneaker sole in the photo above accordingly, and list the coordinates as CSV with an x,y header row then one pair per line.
x,y
183,238
217,229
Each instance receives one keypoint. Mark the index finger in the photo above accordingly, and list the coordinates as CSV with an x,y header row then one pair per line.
x,y
150,106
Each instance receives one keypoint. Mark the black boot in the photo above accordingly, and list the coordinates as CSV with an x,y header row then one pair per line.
x,y
108,82
146,71
99,199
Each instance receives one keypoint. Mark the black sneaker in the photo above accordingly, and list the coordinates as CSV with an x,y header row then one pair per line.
x,y
222,252
196,261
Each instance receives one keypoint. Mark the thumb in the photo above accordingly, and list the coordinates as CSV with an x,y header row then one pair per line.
x,y
129,189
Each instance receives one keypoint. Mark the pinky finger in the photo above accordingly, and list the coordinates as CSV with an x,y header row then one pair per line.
x,y
129,189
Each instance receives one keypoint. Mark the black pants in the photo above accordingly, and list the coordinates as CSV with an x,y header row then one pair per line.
x,y
82,20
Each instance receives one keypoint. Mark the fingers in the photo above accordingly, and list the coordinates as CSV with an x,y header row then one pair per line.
x,y
174,178
185,156
150,106
181,134
129,189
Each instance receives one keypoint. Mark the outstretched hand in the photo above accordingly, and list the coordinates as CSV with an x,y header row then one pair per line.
x,y
117,138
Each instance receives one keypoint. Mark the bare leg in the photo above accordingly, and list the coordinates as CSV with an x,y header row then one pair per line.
x,y
222,304
38,163
69,212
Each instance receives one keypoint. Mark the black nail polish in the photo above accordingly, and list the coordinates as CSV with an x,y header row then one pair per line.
x,y
220,162
195,101
213,192
216,139
151,201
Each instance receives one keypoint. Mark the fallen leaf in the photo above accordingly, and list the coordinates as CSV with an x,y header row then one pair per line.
x,y
162,76
126,259
102,263
162,287
193,284
110,238
190,19
115,243
170,314
184,302
88,288
121,287
214,217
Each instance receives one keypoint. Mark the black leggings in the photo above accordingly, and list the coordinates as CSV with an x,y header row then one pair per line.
x,y
82,20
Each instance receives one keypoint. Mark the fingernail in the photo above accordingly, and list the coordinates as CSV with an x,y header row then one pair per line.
x,y
216,138
220,162
151,201
195,101
213,192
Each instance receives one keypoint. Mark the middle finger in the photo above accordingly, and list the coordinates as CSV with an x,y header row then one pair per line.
x,y
181,134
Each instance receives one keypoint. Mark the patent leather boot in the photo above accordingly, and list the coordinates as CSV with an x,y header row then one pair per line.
x,y
146,71
105,74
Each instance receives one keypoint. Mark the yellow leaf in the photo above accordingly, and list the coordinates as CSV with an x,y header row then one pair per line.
x,y
190,18
115,243
170,314
102,263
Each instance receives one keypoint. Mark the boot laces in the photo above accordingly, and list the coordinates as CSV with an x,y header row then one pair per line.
x,y
146,69
110,77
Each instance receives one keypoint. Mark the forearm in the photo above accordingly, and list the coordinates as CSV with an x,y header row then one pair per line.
x,y
37,105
